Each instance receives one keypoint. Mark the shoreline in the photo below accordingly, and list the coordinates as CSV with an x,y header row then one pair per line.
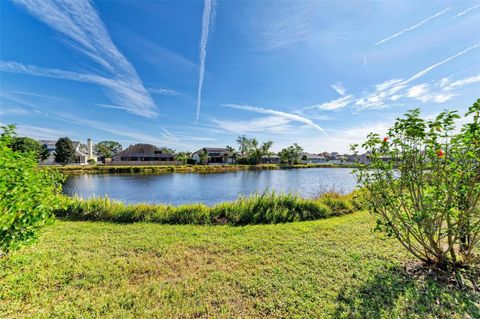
x,y
112,169
265,208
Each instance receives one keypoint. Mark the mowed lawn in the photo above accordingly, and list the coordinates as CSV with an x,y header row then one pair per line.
x,y
330,268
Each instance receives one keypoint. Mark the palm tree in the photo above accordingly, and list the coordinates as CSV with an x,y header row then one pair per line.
x,y
183,157
231,153
203,157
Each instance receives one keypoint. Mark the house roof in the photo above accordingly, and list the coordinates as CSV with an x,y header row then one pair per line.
x,y
218,150
270,156
50,144
143,150
313,156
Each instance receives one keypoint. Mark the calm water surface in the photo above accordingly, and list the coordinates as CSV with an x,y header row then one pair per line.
x,y
178,188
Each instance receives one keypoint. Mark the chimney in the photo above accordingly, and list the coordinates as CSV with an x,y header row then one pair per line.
x,y
90,149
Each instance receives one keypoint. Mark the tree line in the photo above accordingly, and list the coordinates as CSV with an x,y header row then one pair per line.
x,y
249,150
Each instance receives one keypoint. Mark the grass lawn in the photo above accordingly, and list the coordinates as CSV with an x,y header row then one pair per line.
x,y
330,268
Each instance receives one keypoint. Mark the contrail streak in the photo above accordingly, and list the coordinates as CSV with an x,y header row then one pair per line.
x,y
207,13
412,27
466,11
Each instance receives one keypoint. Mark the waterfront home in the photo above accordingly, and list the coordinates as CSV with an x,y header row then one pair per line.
x,y
308,158
333,156
82,153
143,154
215,155
271,159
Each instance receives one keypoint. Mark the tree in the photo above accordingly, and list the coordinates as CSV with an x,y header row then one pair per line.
x,y
244,145
167,150
423,185
266,146
64,151
250,151
291,154
183,157
106,149
28,195
27,144
203,155
233,153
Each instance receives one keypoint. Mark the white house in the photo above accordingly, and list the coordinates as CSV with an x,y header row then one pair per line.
x,y
308,158
81,156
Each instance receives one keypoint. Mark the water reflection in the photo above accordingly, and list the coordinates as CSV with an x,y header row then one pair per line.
x,y
178,188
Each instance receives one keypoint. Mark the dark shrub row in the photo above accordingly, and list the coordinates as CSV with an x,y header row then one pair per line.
x,y
268,208
110,169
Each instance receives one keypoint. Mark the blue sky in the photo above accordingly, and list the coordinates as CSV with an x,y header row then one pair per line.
x,y
188,74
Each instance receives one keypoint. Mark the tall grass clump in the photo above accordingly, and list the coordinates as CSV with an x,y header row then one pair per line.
x,y
267,208
339,204
270,208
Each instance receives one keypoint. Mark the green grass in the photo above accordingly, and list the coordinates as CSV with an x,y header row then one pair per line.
x,y
268,208
159,169
331,268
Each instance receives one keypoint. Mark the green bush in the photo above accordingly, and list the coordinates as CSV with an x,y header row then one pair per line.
x,y
340,204
28,195
423,184
268,208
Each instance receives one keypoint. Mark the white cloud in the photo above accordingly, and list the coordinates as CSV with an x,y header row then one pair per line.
x,y
338,140
413,27
268,125
466,11
280,25
119,130
395,89
333,105
16,111
444,81
285,115
84,31
40,133
463,82
430,68
160,91
208,13
424,94
126,96
339,88
417,90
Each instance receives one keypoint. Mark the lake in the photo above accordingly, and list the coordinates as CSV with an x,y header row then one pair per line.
x,y
181,188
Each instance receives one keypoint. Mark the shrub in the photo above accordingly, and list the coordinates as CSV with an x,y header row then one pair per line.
x,y
27,144
423,184
268,208
340,204
28,195
91,161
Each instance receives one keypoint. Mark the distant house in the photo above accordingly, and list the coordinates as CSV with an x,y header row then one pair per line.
x,y
143,154
215,155
308,158
334,156
271,159
364,158
81,155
